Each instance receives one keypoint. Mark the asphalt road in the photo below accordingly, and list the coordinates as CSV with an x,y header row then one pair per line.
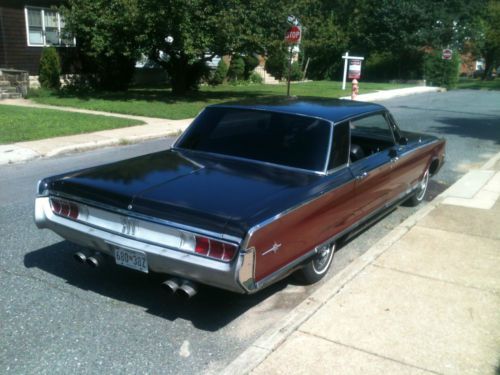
x,y
59,317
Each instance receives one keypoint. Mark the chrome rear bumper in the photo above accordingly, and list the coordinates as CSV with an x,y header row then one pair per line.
x,y
160,259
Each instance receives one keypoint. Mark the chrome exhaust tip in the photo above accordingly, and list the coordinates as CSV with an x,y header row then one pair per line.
x,y
171,285
187,290
95,260
79,257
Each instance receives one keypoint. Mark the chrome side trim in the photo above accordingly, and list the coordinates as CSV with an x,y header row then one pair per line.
x,y
329,152
252,286
184,227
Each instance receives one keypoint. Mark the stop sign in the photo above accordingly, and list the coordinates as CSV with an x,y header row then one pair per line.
x,y
293,35
447,54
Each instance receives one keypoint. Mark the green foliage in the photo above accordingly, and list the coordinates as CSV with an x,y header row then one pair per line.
x,y
439,72
296,72
383,66
220,73
50,69
255,78
108,38
277,62
236,70
251,62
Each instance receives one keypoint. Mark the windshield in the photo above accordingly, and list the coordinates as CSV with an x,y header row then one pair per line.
x,y
289,140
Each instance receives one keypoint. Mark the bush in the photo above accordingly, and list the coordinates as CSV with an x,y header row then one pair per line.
x,y
251,62
296,72
236,70
256,78
50,69
277,63
220,73
439,72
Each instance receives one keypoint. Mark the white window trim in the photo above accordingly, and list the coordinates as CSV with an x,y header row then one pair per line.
x,y
44,41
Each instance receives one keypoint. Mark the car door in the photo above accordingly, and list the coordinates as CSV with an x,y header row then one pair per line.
x,y
372,157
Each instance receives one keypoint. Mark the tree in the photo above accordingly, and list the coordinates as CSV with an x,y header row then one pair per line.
x,y
181,35
107,37
490,45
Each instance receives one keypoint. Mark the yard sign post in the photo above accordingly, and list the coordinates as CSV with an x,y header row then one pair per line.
x,y
346,58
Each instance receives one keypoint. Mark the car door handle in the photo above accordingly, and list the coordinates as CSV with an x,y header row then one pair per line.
x,y
362,176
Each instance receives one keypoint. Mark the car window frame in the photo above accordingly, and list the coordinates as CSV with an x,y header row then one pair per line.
x,y
342,166
384,113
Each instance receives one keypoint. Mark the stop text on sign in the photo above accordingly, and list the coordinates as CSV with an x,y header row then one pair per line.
x,y
293,35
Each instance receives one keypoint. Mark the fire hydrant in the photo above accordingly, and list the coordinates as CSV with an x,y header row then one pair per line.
x,y
355,89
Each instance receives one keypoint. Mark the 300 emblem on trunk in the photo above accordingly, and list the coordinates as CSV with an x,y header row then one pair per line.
x,y
129,226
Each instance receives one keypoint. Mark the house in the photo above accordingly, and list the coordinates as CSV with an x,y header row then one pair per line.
x,y
26,27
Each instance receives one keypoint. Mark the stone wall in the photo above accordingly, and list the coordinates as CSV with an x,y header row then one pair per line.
x,y
19,79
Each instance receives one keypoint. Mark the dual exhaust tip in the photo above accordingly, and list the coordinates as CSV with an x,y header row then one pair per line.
x,y
183,288
94,260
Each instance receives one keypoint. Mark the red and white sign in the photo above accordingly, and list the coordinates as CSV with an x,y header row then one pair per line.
x,y
447,54
293,35
354,69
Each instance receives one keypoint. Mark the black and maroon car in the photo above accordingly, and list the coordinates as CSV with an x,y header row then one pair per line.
x,y
246,196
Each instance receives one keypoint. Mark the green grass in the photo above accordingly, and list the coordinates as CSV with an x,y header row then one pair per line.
x,y
157,102
19,124
478,84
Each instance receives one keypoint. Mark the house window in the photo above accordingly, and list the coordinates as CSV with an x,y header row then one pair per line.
x,y
45,27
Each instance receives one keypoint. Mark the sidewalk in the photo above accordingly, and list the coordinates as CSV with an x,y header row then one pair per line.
x,y
424,300
24,151
154,128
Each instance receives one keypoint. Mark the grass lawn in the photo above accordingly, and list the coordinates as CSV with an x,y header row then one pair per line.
x,y
19,124
157,102
478,84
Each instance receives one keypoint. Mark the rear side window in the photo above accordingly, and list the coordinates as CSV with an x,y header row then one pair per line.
x,y
278,138
340,146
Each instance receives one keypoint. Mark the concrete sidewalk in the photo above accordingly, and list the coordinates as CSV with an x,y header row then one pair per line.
x,y
24,151
154,128
424,300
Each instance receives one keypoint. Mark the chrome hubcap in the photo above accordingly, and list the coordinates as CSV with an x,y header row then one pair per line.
x,y
323,258
423,186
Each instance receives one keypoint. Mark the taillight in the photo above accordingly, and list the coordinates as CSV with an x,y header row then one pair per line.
x,y
64,208
215,249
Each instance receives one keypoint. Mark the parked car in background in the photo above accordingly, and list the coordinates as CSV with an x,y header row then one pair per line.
x,y
249,194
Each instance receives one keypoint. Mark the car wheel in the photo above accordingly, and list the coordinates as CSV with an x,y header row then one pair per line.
x,y
318,266
419,194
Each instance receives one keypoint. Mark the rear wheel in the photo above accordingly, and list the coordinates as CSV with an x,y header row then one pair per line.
x,y
419,195
318,266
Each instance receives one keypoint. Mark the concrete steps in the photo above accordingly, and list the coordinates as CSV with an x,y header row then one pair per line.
x,y
267,78
7,91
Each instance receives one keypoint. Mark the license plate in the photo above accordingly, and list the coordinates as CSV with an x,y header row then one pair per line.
x,y
131,259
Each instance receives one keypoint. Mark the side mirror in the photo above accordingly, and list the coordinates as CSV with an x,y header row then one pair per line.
x,y
403,141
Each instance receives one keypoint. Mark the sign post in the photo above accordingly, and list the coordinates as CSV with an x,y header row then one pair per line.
x,y
447,54
292,38
354,67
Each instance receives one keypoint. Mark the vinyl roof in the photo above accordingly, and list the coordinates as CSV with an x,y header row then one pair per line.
x,y
334,110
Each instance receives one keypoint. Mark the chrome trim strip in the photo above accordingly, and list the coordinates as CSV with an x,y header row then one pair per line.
x,y
230,157
330,141
136,215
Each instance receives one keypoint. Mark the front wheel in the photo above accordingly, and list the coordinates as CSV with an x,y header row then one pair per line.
x,y
318,266
419,195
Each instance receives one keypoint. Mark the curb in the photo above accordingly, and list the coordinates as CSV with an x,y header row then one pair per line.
x,y
271,340
389,94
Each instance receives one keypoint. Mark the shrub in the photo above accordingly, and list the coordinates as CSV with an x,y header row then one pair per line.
x,y
50,69
256,78
439,72
220,73
296,72
277,63
236,68
251,63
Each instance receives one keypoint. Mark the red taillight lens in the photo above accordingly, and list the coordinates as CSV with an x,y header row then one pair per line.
x,y
202,245
215,249
64,208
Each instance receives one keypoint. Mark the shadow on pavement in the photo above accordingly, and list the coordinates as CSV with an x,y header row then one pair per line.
x,y
486,127
210,310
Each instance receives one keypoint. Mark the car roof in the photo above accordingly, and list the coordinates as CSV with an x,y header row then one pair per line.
x,y
334,110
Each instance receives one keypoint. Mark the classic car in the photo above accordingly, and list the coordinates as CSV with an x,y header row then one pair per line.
x,y
249,194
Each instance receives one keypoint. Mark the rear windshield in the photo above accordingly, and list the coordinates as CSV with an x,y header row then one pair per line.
x,y
294,141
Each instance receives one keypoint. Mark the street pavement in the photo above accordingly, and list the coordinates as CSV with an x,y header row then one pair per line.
x,y
59,317
423,300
